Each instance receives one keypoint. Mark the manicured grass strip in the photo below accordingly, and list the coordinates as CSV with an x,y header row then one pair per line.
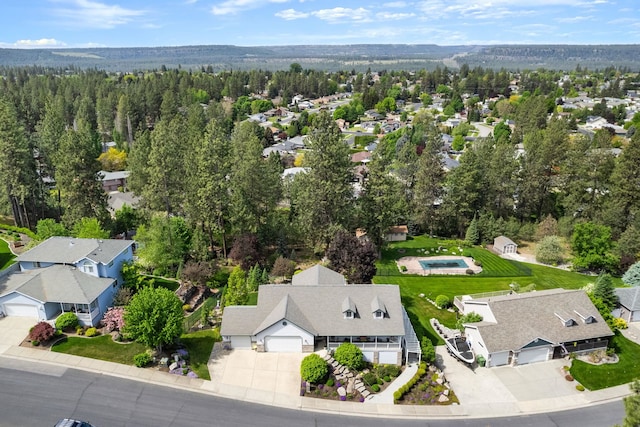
x,y
102,348
6,257
199,345
596,377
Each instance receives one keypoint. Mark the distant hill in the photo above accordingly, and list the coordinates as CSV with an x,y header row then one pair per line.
x,y
330,57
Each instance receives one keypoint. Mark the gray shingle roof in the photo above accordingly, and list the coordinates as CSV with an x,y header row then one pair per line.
x,y
69,250
58,283
318,275
629,297
523,318
319,308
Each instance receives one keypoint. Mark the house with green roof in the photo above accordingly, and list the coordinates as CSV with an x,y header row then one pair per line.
x,y
319,309
66,274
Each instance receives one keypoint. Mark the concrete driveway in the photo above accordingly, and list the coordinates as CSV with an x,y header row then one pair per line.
x,y
13,330
506,390
258,377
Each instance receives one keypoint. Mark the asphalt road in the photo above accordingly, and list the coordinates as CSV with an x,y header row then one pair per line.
x,y
33,394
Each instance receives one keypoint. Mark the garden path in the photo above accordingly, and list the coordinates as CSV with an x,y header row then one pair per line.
x,y
386,395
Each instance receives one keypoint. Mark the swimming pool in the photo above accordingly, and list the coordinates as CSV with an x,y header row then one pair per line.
x,y
442,263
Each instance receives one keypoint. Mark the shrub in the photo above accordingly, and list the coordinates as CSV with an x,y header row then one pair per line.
x,y
67,321
428,350
35,343
442,301
186,307
388,370
403,268
79,330
568,377
620,323
42,331
386,378
349,355
330,382
113,319
313,368
369,378
142,359
580,387
469,271
375,388
478,263
91,332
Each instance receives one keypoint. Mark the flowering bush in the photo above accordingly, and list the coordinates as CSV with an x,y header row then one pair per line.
x,y
113,319
42,331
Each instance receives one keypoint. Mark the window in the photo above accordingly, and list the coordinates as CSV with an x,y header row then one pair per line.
x,y
36,264
348,314
378,314
94,304
111,263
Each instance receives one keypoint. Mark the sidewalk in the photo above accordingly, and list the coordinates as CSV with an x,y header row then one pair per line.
x,y
487,392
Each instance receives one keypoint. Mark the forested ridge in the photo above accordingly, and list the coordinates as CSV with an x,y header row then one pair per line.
x,y
329,57
206,192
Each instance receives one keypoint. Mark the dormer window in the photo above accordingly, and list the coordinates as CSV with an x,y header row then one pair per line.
x,y
349,314
349,309
378,314
566,319
378,308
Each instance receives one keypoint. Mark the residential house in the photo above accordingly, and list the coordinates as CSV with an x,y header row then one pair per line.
x,y
504,245
628,304
320,310
114,181
361,157
66,274
518,329
397,233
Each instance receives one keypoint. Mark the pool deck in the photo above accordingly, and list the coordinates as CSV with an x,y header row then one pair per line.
x,y
413,265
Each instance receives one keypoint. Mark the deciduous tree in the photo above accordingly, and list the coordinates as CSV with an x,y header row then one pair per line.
x,y
154,317
351,257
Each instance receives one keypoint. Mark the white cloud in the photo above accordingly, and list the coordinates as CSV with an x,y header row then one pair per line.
x,y
291,14
87,13
39,43
389,16
575,19
395,4
231,7
341,14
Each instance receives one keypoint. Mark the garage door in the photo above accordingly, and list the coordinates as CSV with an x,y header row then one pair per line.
x,y
21,310
283,344
368,356
533,355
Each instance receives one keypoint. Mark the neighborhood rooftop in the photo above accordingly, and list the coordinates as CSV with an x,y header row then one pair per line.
x,y
69,250
72,285
524,318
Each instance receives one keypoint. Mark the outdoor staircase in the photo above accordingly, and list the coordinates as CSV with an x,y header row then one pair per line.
x,y
342,373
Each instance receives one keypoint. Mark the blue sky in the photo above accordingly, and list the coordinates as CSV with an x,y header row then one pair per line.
x,y
120,23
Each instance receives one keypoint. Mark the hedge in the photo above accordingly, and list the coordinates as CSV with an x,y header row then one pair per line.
x,y
422,370
19,230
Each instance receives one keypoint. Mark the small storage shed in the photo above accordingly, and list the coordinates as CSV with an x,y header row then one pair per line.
x,y
504,245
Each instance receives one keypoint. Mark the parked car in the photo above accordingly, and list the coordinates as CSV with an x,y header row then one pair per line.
x,y
72,423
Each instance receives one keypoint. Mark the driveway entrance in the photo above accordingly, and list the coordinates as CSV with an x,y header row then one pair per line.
x,y
261,377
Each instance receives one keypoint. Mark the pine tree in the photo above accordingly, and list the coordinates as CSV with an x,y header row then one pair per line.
x,y
323,196
605,291
472,235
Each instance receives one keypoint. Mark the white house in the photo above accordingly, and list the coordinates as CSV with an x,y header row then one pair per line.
x,y
65,274
320,310
628,304
518,329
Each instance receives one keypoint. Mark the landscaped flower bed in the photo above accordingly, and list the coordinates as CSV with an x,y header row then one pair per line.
x,y
330,390
427,387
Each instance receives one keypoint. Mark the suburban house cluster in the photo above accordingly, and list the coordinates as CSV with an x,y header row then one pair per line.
x,y
65,274
518,329
320,310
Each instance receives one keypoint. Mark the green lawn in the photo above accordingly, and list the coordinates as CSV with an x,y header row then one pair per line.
x,y
199,345
102,348
497,275
6,257
596,377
